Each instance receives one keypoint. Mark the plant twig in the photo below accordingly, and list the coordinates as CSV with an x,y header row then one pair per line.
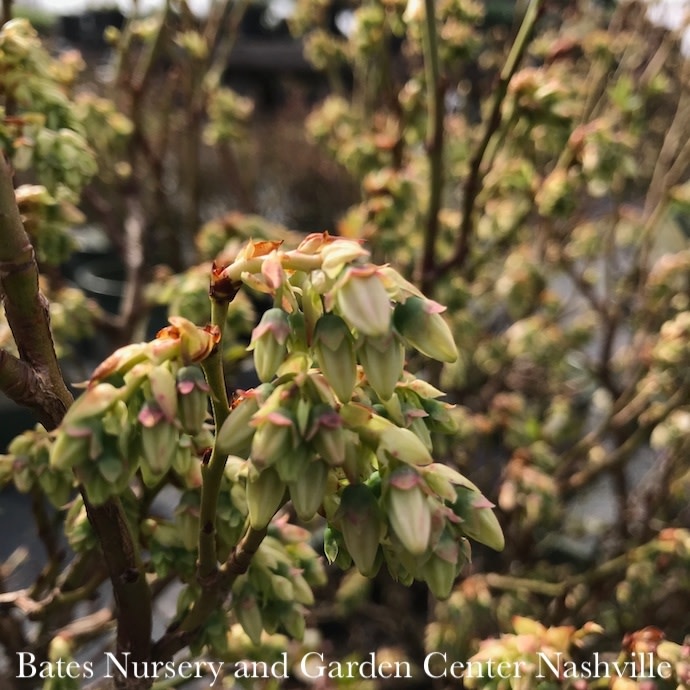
x,y
472,183
27,314
178,636
212,472
434,145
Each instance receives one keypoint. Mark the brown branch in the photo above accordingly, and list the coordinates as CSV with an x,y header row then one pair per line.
x,y
434,145
27,315
6,11
132,593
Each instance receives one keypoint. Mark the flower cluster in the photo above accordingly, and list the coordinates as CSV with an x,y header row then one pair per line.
x,y
144,409
338,425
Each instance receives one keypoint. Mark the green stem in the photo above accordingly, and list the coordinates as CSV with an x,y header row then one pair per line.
x,y
212,471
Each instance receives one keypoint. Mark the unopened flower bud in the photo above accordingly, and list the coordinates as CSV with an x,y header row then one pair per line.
x,y
308,490
409,511
328,436
363,301
187,525
192,399
71,447
441,569
274,438
235,436
484,527
282,587
293,622
269,342
249,617
60,649
93,403
335,354
195,343
383,360
158,439
420,324
264,496
361,527
404,445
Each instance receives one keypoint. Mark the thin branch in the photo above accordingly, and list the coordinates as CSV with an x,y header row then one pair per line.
x,y
179,635
434,145
472,183
27,314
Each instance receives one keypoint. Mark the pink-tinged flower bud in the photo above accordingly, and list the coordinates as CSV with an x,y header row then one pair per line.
x,y
236,434
196,343
162,383
363,301
362,527
264,496
71,447
421,325
121,361
440,571
327,435
479,521
158,439
314,242
249,617
383,359
92,403
275,437
338,254
404,445
192,399
269,342
335,354
307,491
409,511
